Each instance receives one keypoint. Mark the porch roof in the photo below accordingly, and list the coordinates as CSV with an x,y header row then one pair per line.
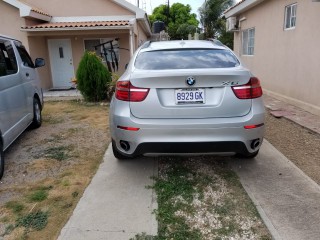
x,y
76,25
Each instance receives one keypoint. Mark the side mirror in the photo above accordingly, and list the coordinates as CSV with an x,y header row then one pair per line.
x,y
39,62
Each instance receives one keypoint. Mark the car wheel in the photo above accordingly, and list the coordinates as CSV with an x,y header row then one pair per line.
x,y
117,153
1,161
248,155
37,118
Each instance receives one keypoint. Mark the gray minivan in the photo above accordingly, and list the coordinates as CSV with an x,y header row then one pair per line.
x,y
21,98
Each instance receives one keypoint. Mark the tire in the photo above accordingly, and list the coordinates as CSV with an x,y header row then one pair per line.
x,y
118,154
247,156
37,117
1,161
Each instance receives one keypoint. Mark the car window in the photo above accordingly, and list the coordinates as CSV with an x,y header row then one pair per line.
x,y
8,62
25,57
186,59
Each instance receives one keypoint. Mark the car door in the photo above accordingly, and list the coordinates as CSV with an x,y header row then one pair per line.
x,y
28,76
12,97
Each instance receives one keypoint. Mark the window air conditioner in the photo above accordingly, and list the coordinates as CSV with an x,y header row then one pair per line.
x,y
232,24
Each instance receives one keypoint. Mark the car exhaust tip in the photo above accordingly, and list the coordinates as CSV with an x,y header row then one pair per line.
x,y
125,145
255,143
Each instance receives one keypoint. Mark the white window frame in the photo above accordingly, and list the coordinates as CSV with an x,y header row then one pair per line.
x,y
292,18
248,44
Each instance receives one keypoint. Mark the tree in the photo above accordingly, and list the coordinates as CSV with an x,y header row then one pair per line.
x,y
179,14
224,36
92,77
211,17
184,30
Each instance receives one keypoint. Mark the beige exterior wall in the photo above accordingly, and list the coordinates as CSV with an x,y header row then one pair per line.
x,y
37,42
11,23
286,61
38,47
142,37
71,8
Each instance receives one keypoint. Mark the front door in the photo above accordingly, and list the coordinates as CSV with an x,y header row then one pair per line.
x,y
61,60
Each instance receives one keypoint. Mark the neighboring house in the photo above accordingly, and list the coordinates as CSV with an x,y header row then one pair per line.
x,y
279,40
61,30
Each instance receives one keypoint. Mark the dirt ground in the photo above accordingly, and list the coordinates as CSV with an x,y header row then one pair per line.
x,y
298,144
47,169
60,158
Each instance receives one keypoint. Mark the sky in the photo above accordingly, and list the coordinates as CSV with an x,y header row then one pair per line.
x,y
151,4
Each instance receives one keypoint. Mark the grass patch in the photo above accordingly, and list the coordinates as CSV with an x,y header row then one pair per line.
x,y
58,153
52,120
16,207
38,196
36,221
65,154
9,229
201,198
143,236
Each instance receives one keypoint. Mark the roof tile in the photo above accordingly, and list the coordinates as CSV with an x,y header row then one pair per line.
x,y
67,25
35,9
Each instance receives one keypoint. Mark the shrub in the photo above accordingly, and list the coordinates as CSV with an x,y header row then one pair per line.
x,y
112,86
92,77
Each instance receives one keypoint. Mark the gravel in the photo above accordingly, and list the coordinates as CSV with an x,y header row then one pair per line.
x,y
298,144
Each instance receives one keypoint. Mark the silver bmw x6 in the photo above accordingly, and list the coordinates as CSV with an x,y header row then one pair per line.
x,y
186,97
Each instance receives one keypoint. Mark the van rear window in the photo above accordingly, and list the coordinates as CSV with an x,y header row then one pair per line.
x,y
186,59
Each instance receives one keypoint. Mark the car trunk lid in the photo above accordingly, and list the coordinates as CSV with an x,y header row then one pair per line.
x,y
214,86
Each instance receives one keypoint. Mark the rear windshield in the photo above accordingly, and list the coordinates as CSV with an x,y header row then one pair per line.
x,y
186,59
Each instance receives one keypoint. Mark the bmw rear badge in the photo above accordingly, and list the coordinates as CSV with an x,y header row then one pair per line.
x,y
190,81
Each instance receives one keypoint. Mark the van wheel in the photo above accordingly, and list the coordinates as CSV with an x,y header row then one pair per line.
x,y
1,161
37,118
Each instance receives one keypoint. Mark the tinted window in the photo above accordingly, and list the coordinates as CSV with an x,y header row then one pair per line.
x,y
26,59
8,63
186,59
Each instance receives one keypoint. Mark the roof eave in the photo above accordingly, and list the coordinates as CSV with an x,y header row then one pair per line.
x,y
74,29
132,8
145,24
245,6
39,16
26,11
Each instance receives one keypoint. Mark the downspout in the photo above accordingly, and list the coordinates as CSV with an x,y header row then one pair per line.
x,y
131,37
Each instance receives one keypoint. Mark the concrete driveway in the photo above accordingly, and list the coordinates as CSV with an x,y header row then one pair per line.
x,y
287,199
116,205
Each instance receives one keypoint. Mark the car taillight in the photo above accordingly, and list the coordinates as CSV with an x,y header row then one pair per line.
x,y
248,91
125,91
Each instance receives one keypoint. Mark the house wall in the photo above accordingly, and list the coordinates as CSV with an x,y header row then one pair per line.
x,y
141,36
39,48
11,22
286,61
70,8
37,42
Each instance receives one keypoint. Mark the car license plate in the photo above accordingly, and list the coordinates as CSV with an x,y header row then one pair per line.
x,y
189,96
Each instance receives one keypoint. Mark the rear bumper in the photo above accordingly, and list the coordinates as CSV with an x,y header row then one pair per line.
x,y
190,147
186,135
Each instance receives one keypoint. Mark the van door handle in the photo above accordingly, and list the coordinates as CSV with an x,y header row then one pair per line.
x,y
27,74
